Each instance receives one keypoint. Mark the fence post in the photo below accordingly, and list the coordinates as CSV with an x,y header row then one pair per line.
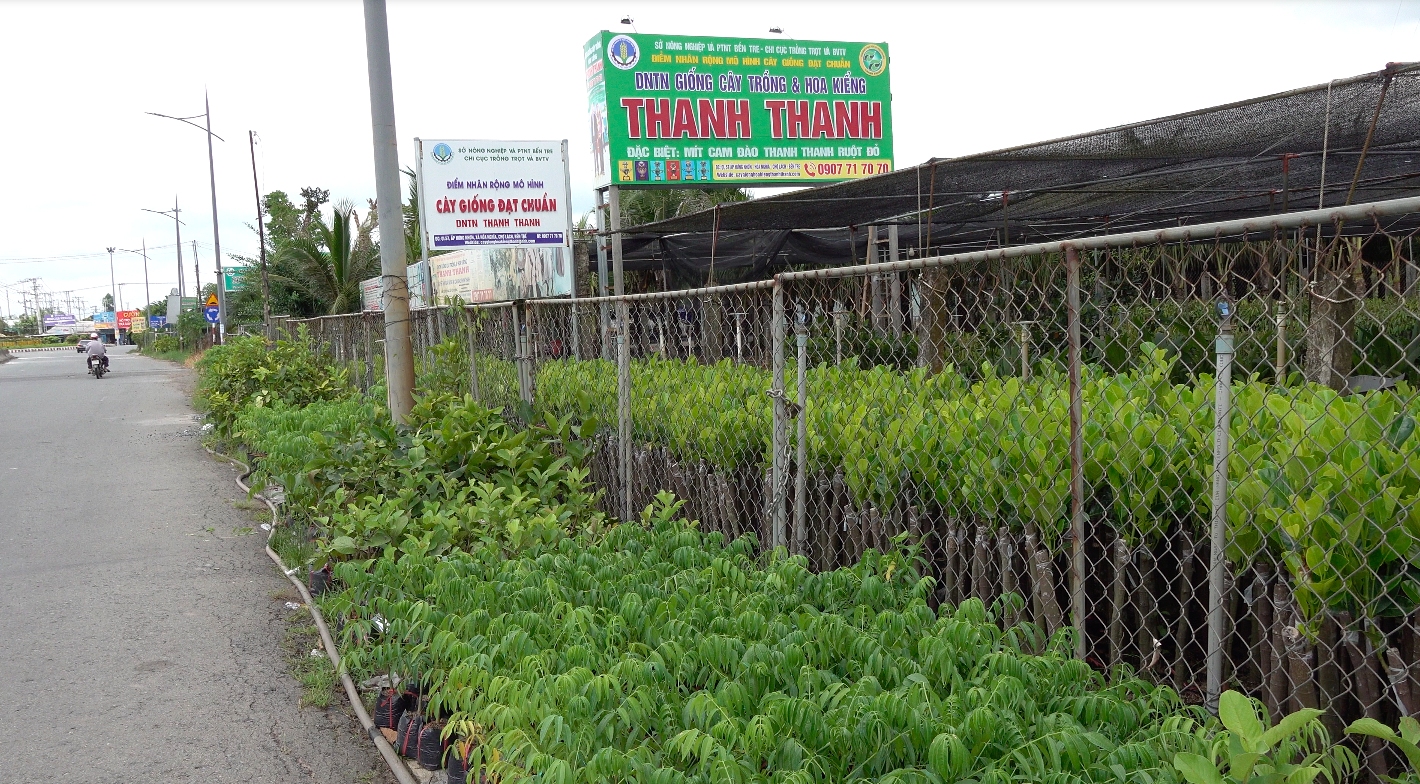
x,y
1281,317
1216,564
468,318
369,352
1077,457
801,447
894,284
780,431
623,405
521,356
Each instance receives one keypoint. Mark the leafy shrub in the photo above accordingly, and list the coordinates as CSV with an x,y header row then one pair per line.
x,y
163,344
1250,751
1325,483
458,476
656,652
247,371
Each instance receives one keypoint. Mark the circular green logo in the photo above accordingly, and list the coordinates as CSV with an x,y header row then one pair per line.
x,y
873,60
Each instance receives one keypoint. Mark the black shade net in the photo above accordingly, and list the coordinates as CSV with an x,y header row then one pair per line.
x,y
1256,157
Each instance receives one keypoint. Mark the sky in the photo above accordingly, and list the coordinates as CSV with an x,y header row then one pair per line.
x,y
82,160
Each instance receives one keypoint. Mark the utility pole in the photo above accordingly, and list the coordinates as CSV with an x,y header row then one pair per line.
x,y
261,239
39,313
147,295
394,289
198,281
216,236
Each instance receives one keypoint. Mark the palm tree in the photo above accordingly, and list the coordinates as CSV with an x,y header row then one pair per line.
x,y
327,262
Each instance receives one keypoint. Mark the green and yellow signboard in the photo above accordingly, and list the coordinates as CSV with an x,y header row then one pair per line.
x,y
693,111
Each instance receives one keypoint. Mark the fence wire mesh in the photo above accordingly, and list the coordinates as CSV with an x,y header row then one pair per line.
x,y
1199,453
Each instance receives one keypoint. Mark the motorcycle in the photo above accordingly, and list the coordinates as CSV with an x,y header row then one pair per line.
x,y
99,368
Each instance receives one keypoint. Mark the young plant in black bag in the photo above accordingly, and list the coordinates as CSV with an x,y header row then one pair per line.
x,y
389,707
407,740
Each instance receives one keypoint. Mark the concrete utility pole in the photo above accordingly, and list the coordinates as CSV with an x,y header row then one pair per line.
x,y
216,236
39,313
399,360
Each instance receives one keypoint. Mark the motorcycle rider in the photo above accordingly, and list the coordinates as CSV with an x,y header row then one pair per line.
x,y
96,349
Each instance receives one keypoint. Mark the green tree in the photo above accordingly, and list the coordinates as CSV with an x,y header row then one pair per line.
x,y
312,199
108,302
283,220
326,262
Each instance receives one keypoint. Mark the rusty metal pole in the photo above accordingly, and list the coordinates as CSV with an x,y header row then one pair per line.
x,y
1222,414
780,432
1077,457
801,438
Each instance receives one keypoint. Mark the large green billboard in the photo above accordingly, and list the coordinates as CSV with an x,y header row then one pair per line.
x,y
692,111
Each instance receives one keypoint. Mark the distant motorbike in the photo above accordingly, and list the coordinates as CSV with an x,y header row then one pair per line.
x,y
98,369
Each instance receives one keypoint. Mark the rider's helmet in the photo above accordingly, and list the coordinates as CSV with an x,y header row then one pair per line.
x,y
93,336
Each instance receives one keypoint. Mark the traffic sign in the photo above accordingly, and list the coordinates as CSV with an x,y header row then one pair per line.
x,y
211,300
158,322
211,313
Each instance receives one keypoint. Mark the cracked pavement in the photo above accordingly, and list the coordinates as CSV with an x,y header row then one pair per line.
x,y
140,630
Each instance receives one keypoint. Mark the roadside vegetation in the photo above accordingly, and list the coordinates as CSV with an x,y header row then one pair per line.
x,y
467,560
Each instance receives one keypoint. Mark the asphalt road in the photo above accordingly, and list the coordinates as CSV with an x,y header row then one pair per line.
x,y
140,633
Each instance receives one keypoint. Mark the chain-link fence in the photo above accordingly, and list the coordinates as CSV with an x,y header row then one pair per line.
x,y
1196,447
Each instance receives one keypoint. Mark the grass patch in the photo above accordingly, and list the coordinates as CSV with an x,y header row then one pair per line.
x,y
315,673
179,357
293,547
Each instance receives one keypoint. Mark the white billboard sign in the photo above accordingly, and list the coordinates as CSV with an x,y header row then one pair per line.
x,y
507,193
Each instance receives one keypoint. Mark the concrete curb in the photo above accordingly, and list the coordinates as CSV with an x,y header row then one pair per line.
x,y
392,759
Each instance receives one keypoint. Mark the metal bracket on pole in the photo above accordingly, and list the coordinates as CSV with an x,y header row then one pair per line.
x,y
1217,564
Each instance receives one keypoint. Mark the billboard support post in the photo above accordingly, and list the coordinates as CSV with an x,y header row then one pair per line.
x,y
602,238
571,252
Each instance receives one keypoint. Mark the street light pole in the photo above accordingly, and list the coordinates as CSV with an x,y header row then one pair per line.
x,y
212,179
177,227
113,292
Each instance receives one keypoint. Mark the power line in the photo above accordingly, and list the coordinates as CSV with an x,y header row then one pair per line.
x,y
72,257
